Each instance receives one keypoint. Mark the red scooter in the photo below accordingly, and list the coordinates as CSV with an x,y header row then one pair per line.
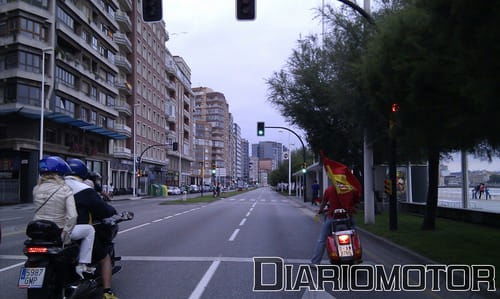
x,y
343,244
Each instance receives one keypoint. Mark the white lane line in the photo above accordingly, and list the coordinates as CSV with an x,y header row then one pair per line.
x,y
248,214
273,200
243,221
168,217
11,267
13,218
251,209
253,206
135,227
202,285
233,236
177,214
12,257
231,199
242,199
158,220
262,200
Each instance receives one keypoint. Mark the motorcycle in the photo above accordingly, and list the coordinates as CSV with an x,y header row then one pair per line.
x,y
343,244
49,272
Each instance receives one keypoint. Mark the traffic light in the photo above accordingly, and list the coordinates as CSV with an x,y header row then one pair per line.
x,y
304,167
152,10
245,9
213,171
394,107
388,187
260,128
175,146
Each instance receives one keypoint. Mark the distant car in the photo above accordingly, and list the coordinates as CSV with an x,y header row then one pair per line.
x,y
173,190
194,189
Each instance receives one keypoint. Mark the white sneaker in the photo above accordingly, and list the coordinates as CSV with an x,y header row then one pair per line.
x,y
83,268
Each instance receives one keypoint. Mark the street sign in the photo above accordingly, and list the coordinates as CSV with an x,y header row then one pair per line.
x,y
285,155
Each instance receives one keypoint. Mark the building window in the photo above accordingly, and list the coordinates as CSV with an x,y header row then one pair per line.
x,y
64,106
84,114
30,62
111,123
21,93
101,120
93,93
65,18
93,117
32,29
65,77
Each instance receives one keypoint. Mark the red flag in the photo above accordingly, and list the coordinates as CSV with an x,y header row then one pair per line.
x,y
346,184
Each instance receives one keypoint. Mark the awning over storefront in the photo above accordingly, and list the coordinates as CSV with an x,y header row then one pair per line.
x,y
66,119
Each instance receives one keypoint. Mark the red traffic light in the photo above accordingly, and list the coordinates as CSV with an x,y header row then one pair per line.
x,y
395,107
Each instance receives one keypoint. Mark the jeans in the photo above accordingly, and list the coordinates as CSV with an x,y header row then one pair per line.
x,y
319,250
86,233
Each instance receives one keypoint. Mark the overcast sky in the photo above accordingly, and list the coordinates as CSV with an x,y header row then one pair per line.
x,y
236,58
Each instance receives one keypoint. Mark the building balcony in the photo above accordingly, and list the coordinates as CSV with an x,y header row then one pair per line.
x,y
123,42
170,118
124,129
123,21
170,84
126,4
123,107
124,86
122,152
123,63
109,16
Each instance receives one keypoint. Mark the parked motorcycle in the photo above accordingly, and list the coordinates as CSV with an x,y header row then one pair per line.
x,y
343,244
49,272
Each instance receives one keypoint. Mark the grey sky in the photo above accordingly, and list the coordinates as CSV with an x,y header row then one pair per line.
x,y
236,57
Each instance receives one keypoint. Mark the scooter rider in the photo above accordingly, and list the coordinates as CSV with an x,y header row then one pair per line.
x,y
54,201
91,207
334,202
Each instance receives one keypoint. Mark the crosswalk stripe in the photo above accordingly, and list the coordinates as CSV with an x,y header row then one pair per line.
x,y
262,200
273,200
232,199
242,199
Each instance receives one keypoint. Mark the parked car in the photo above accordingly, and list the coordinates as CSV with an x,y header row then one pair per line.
x,y
194,189
173,190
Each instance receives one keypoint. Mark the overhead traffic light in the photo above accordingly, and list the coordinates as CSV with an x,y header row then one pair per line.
x,y
152,10
245,9
260,128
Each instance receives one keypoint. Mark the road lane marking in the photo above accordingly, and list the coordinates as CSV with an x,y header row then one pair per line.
x,y
135,227
202,285
11,267
253,206
168,217
233,236
251,209
263,200
231,199
242,199
273,200
157,220
248,214
283,200
243,221
317,295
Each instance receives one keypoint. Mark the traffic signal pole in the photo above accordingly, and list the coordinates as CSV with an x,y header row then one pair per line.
x,y
303,154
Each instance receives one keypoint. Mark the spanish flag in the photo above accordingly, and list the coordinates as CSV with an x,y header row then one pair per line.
x,y
346,184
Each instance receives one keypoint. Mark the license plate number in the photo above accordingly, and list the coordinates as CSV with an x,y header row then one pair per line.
x,y
31,278
345,250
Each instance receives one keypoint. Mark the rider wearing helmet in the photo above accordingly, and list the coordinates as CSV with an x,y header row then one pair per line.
x,y
54,201
90,206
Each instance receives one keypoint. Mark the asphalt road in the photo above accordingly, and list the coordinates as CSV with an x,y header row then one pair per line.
x,y
205,250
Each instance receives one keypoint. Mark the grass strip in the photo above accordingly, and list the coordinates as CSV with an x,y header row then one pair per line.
x,y
452,242
203,199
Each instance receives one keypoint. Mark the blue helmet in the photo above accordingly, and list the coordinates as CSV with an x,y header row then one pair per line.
x,y
54,164
78,168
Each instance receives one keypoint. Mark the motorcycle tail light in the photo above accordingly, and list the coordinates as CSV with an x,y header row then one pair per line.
x,y
344,239
37,250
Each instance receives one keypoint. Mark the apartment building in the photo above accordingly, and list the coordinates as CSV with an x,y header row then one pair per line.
x,y
245,160
75,45
180,125
269,150
212,118
237,160
151,91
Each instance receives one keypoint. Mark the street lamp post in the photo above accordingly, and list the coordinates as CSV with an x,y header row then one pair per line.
x,y
42,100
135,153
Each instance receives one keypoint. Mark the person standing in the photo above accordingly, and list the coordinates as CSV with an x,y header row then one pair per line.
x,y
481,190
315,193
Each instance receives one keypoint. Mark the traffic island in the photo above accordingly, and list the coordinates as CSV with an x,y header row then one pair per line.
x,y
452,242
204,199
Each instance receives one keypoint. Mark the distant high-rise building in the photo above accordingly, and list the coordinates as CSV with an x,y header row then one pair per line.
x,y
238,162
269,150
245,160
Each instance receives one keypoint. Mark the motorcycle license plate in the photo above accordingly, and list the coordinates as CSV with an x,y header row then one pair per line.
x,y
31,278
345,250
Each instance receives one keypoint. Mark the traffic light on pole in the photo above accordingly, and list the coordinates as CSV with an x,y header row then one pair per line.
x,y
245,9
394,107
152,10
304,167
260,128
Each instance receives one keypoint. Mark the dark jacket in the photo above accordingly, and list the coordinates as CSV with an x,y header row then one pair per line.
x,y
89,205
